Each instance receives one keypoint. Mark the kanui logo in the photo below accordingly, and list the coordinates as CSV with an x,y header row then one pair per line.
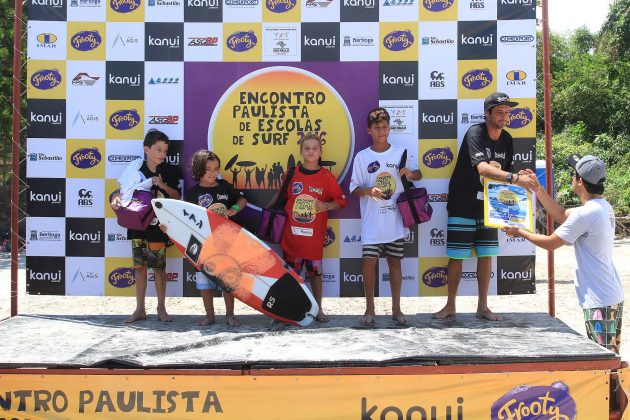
x,y
46,197
477,40
163,41
46,117
437,119
125,80
175,152
359,11
47,10
515,275
524,154
45,275
320,41
352,278
398,80
203,11
85,237
516,9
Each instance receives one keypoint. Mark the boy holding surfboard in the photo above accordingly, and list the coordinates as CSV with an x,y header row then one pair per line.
x,y
376,180
148,248
220,197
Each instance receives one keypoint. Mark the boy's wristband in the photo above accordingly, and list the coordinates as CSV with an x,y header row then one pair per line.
x,y
236,207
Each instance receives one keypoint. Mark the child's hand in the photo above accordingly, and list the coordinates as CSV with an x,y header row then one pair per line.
x,y
511,231
406,173
116,203
163,228
377,194
230,212
321,207
157,181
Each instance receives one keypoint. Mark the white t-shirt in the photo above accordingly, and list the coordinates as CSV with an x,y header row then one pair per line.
x,y
381,221
591,230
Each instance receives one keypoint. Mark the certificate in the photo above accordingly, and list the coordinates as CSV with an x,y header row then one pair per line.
x,y
507,205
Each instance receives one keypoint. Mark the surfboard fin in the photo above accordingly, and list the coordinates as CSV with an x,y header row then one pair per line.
x,y
287,299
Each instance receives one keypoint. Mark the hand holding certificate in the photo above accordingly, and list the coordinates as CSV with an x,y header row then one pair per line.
x,y
507,205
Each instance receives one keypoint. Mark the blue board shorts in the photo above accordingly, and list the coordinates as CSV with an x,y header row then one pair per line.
x,y
463,234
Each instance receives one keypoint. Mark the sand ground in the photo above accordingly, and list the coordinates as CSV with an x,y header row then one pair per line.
x,y
567,308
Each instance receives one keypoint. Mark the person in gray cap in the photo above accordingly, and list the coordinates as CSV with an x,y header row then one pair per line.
x,y
486,151
590,228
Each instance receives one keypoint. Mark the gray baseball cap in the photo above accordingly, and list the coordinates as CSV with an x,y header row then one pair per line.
x,y
590,168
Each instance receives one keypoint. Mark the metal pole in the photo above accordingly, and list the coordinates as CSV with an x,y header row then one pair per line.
x,y
548,154
15,152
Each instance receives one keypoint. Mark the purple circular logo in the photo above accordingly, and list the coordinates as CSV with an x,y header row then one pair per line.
x,y
280,6
122,277
124,119
242,41
330,236
398,40
373,167
535,402
437,5
438,157
46,79
85,158
434,277
476,79
86,40
520,117
124,6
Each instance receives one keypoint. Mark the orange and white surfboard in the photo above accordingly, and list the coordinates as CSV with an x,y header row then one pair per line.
x,y
239,262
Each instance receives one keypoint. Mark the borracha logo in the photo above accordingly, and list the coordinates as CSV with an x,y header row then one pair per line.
x,y
45,275
124,119
86,158
436,119
320,41
241,41
46,79
438,157
85,237
280,6
125,80
434,277
86,40
541,402
124,6
437,5
46,117
476,79
122,277
517,39
46,197
164,41
398,40
520,117
398,80
477,40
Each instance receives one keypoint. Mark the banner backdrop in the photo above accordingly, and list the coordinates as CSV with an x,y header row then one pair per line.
x,y
516,395
247,79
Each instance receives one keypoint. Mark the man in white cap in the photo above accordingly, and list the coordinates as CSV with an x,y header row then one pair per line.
x,y
590,228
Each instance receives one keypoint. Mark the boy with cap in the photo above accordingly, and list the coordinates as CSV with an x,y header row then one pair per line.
x,y
590,228
486,151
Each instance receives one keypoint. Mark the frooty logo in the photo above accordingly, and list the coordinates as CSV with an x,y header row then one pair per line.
x,y
373,167
53,277
46,79
520,117
86,157
124,6
398,40
476,79
124,119
330,237
122,277
86,40
280,6
437,5
434,277
438,157
242,41
536,402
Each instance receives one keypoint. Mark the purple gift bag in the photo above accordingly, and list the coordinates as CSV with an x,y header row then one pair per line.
x,y
139,213
414,206
271,225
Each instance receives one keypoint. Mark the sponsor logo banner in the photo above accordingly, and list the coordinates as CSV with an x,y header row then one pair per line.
x,y
282,42
516,9
86,41
437,158
320,41
203,10
85,276
124,80
477,78
516,275
524,154
45,276
477,40
85,237
46,158
359,10
351,278
45,236
398,80
47,10
46,118
85,159
46,197
85,197
436,119
242,42
398,41
164,41
125,41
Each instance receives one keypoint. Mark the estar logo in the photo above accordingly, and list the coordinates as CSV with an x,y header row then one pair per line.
x,y
46,79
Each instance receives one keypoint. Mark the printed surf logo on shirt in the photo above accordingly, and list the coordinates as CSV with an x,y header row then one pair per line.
x,y
46,79
86,40
373,167
124,119
520,117
304,210
540,401
434,277
398,40
86,158
386,183
476,79
241,41
438,157
297,187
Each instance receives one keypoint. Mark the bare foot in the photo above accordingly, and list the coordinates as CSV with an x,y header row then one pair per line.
x,y
322,317
487,314
444,313
163,316
136,316
233,321
206,320
368,319
400,318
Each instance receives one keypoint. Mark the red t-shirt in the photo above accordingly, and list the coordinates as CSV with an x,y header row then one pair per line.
x,y
305,230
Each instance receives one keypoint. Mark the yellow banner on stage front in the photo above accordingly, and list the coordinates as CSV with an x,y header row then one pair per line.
x,y
545,395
